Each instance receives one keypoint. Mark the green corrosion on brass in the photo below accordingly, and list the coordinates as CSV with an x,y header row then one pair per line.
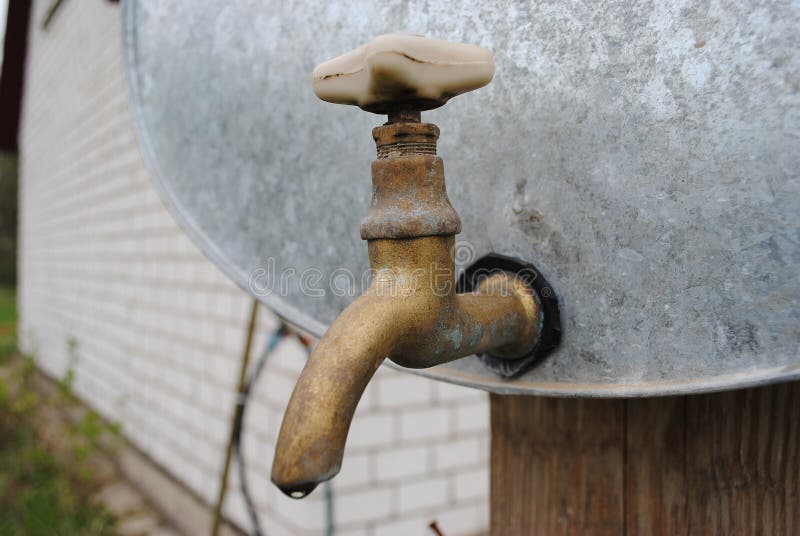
x,y
410,313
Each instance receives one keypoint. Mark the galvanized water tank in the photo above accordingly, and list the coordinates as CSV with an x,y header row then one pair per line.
x,y
646,158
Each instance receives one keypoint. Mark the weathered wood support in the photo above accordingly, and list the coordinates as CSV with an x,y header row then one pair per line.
x,y
725,463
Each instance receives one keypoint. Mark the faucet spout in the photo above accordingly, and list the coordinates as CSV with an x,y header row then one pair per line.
x,y
411,315
311,441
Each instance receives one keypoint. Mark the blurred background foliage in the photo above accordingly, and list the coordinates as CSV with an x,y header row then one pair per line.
x,y
46,444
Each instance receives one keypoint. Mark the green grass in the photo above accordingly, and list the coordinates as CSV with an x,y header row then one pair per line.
x,y
38,494
42,492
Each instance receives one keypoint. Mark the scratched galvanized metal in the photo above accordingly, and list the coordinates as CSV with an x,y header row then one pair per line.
x,y
646,158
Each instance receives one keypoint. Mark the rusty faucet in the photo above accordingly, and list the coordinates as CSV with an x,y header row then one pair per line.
x,y
411,312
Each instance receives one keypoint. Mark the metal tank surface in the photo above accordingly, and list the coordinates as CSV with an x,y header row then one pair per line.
x,y
646,159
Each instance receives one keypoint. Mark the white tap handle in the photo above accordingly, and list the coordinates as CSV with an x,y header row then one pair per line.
x,y
401,71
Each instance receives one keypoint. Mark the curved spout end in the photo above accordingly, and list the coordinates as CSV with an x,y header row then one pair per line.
x,y
311,442
298,475
308,452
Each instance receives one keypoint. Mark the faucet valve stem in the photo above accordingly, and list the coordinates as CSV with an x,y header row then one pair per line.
x,y
404,116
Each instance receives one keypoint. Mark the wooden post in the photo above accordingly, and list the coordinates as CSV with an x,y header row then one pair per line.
x,y
725,463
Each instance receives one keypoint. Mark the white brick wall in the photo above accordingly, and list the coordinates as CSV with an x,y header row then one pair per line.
x,y
159,331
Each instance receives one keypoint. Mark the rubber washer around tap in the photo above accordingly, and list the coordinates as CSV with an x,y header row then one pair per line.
x,y
550,335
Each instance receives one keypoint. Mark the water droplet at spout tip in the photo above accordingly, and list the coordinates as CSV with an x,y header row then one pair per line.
x,y
299,486
299,491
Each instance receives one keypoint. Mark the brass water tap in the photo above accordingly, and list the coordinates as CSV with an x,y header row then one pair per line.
x,y
411,312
